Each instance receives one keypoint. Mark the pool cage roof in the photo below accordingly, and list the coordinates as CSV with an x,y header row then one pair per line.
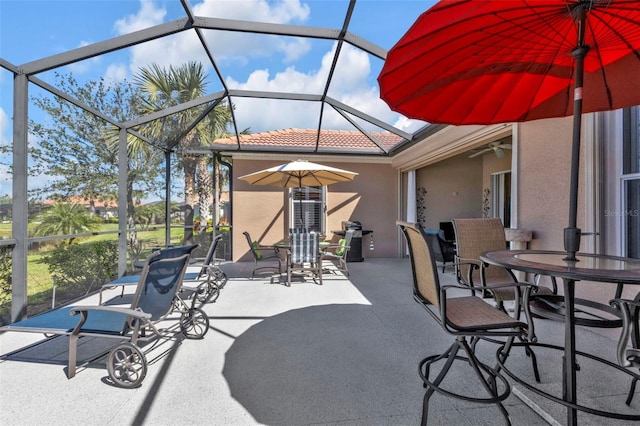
x,y
296,78
326,89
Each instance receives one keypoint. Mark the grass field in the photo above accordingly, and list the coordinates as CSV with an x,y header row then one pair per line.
x,y
38,278
40,285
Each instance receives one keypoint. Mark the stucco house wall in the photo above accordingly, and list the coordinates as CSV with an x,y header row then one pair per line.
x,y
454,189
543,159
370,198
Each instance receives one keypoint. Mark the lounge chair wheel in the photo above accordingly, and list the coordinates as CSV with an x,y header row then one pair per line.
x,y
221,278
209,293
194,324
127,365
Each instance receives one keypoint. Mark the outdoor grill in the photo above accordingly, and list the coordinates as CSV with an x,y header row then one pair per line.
x,y
355,252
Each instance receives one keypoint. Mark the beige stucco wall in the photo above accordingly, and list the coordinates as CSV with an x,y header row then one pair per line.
x,y
544,153
492,164
454,189
371,198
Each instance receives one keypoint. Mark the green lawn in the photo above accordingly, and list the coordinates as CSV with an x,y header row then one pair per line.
x,y
5,230
39,281
38,277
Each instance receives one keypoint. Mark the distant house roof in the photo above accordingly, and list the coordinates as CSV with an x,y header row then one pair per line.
x,y
305,139
76,199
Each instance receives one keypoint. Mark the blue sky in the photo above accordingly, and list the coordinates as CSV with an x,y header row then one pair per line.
x,y
33,29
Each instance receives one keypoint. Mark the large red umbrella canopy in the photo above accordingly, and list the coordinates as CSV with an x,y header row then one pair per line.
x,y
485,62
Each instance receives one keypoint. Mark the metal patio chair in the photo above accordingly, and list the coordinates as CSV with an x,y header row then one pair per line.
x,y
628,352
469,319
337,253
155,299
443,250
304,255
267,255
474,237
209,274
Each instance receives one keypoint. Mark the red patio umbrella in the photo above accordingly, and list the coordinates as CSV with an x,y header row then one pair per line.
x,y
485,62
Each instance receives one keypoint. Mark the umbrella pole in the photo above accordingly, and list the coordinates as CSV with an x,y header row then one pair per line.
x,y
302,224
572,232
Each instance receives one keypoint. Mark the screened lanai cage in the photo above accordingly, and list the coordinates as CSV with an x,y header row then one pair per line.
x,y
119,120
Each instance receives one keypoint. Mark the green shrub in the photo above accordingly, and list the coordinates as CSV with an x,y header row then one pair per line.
x,y
5,274
83,266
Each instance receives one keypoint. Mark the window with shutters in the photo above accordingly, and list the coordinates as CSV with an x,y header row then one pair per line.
x,y
307,208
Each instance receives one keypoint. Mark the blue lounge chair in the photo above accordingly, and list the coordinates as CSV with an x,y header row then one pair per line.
x,y
156,297
210,274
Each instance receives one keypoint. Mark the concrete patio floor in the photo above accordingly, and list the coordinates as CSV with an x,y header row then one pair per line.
x,y
344,353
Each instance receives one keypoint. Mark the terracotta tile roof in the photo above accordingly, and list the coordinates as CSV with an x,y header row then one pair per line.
x,y
305,139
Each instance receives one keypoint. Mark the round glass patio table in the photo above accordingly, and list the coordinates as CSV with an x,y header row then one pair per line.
x,y
588,267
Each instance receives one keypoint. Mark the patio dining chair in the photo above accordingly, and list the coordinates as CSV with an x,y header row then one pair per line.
x,y
628,352
474,237
443,250
469,319
304,255
267,255
337,253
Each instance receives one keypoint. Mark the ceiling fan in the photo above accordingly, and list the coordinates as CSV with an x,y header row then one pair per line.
x,y
497,147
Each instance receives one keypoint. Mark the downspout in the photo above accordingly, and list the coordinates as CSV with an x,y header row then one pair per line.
x,y
230,167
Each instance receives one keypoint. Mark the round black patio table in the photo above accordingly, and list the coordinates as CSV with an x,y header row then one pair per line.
x,y
588,267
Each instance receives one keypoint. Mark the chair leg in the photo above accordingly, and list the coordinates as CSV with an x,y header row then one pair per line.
x,y
451,356
534,361
489,382
632,391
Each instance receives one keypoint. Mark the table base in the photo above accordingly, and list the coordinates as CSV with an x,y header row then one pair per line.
x,y
590,410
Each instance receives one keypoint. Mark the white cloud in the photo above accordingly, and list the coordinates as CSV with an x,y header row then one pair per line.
x,y
234,51
115,73
228,47
5,181
85,66
349,86
283,11
408,125
147,16
4,126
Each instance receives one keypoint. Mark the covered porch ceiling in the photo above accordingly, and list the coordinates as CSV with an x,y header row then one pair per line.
x,y
307,67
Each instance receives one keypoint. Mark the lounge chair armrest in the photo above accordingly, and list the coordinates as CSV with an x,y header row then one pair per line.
x,y
125,311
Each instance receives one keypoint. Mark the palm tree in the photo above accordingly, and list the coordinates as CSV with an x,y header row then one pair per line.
x,y
66,219
163,88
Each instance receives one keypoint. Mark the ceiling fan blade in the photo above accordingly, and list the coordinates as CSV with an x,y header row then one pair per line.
x,y
484,151
499,153
505,146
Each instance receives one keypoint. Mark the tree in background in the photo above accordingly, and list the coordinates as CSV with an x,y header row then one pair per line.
x,y
163,88
77,149
66,219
